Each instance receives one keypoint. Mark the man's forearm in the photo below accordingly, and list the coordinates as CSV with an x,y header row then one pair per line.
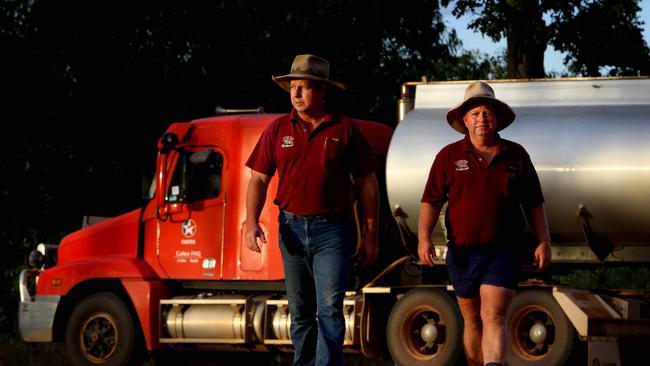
x,y
255,197
427,220
540,225
369,199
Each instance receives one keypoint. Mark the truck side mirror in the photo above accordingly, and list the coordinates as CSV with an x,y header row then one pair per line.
x,y
168,141
161,178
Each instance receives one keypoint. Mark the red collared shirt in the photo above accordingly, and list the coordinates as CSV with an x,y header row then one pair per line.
x,y
314,168
483,200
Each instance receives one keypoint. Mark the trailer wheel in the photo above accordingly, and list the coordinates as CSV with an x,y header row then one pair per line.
x,y
424,328
101,332
540,334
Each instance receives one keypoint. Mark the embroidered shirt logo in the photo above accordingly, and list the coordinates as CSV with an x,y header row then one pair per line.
x,y
287,141
462,165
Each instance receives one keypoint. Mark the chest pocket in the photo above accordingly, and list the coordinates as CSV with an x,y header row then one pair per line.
x,y
333,154
511,178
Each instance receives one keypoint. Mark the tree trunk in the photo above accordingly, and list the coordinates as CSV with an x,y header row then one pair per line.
x,y
527,38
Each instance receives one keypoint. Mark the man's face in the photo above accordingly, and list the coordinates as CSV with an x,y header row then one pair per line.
x,y
481,120
306,95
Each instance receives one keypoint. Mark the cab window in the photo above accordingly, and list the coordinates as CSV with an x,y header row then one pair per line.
x,y
197,176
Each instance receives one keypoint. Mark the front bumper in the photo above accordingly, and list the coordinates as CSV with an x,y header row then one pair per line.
x,y
35,314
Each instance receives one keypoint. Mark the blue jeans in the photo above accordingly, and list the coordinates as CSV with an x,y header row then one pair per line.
x,y
316,254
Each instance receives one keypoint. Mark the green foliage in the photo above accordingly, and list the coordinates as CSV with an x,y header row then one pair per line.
x,y
605,36
596,35
631,278
468,69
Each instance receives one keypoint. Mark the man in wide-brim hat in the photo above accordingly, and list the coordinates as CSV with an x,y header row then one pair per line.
x,y
485,181
308,67
314,151
480,92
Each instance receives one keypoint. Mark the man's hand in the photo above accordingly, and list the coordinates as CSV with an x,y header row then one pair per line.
x,y
253,232
542,256
537,217
426,252
369,250
428,218
369,201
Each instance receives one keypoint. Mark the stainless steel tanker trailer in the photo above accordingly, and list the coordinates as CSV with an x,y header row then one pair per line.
x,y
589,141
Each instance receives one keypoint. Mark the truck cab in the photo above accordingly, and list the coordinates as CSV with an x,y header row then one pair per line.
x,y
153,276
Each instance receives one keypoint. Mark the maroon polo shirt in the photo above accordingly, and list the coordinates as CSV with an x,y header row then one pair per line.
x,y
314,168
483,200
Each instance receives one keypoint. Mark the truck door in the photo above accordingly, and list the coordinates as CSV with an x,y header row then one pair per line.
x,y
191,235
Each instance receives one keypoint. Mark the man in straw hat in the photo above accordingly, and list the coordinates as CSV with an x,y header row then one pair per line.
x,y
485,180
315,152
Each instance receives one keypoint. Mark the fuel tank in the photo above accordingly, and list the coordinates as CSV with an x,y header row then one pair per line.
x,y
587,138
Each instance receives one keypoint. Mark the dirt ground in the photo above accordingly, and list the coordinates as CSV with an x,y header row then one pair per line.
x,y
18,353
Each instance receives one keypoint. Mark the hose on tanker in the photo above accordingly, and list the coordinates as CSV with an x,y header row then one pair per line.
x,y
387,269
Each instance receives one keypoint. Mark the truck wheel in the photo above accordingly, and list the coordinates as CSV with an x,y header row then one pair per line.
x,y
540,333
424,328
101,332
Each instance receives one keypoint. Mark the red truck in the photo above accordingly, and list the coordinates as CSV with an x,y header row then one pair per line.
x,y
176,274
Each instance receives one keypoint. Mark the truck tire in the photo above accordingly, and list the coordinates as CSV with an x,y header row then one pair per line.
x,y
424,328
101,331
539,332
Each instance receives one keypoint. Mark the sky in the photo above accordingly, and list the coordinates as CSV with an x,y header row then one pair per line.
x,y
552,58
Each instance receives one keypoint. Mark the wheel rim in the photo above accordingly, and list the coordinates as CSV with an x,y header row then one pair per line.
x,y
537,319
99,337
423,346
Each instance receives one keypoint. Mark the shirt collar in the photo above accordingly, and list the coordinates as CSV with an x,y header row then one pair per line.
x,y
329,117
467,143
503,145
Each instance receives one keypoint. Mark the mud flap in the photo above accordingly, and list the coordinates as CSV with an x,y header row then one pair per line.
x,y
604,353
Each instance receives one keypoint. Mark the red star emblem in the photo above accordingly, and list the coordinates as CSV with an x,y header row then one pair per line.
x,y
189,228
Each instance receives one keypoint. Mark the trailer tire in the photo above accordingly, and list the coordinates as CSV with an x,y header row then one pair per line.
x,y
555,333
424,328
101,331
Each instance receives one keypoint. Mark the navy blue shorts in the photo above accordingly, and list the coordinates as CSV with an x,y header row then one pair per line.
x,y
490,264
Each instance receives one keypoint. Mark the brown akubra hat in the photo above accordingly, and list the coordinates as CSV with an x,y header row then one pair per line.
x,y
479,91
308,67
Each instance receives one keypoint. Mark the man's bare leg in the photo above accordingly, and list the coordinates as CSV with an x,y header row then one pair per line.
x,y
473,329
494,302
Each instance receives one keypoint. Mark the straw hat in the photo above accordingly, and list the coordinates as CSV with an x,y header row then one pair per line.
x,y
308,67
479,91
